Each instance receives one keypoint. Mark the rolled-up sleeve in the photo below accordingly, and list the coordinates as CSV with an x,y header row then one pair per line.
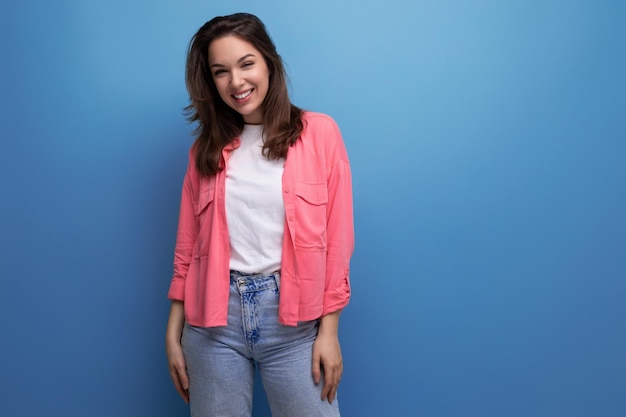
x,y
185,236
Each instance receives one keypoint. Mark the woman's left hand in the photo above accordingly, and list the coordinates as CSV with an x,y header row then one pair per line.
x,y
327,358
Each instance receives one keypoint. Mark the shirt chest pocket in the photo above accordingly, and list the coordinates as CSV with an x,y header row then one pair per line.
x,y
311,212
201,205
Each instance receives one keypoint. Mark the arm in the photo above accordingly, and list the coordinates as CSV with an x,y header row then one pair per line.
x,y
185,239
340,244
339,224
340,239
175,357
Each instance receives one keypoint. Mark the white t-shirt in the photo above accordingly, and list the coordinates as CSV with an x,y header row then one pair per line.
x,y
255,211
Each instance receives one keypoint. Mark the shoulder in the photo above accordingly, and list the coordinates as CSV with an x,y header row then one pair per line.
x,y
192,176
320,125
315,120
322,133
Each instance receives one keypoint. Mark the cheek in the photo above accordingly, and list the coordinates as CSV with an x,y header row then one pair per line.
x,y
264,82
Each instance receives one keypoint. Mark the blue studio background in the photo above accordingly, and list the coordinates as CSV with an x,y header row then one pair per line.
x,y
487,141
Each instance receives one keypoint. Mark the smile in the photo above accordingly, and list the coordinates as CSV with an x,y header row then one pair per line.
x,y
243,95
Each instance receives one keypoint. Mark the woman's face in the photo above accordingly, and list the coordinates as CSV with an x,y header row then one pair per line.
x,y
240,75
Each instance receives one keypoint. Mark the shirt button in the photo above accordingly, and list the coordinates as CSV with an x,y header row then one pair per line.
x,y
290,218
286,191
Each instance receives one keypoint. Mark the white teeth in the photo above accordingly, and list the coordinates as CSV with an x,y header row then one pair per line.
x,y
243,95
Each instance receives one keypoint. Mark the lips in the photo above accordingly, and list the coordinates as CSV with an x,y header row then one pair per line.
x,y
243,95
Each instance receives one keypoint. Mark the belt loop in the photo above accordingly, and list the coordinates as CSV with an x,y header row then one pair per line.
x,y
277,279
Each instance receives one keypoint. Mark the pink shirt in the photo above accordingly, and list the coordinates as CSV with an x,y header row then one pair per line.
x,y
317,244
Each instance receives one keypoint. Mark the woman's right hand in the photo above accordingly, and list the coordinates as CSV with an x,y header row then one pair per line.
x,y
174,350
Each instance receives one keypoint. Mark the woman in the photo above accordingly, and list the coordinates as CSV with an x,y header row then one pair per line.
x,y
265,235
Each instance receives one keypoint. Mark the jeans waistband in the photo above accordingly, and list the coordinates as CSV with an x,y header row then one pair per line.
x,y
243,278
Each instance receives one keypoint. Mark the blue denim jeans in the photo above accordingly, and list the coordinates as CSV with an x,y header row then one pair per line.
x,y
221,360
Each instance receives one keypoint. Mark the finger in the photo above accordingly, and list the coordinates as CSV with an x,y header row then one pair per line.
x,y
177,384
338,374
181,383
334,384
184,379
332,394
183,393
315,369
328,382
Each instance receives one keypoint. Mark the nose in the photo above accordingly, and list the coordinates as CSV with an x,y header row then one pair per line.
x,y
236,79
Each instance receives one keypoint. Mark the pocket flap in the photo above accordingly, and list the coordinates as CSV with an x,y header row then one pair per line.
x,y
315,194
204,199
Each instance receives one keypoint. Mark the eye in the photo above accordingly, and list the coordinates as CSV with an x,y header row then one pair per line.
x,y
219,72
247,64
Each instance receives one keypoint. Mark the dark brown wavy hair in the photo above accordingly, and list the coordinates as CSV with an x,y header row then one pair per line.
x,y
218,124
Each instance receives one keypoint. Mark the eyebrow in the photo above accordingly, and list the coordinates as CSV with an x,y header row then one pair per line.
x,y
238,61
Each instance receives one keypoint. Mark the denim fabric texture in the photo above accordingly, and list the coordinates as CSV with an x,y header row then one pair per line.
x,y
221,361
